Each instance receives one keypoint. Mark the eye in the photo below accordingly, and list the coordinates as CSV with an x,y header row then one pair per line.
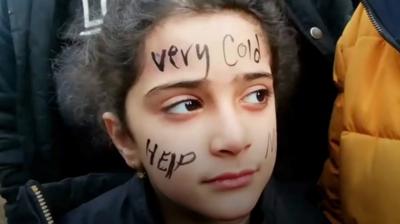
x,y
256,97
183,107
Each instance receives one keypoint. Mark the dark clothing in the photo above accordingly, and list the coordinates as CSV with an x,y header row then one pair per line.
x,y
43,203
385,17
134,202
36,143
303,120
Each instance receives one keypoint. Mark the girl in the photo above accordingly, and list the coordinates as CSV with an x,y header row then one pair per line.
x,y
185,91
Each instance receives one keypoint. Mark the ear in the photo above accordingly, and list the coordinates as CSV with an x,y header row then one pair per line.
x,y
121,138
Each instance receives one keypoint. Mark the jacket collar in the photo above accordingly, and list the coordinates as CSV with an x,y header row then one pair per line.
x,y
329,16
385,17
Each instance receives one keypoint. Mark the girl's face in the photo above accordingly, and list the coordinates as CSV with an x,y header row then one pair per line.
x,y
202,114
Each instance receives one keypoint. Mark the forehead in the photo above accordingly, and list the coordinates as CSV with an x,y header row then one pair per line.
x,y
201,27
192,45
198,26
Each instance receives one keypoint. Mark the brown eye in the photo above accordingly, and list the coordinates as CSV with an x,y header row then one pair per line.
x,y
192,105
183,107
261,94
256,97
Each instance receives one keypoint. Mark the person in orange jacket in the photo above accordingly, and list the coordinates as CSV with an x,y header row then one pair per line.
x,y
361,179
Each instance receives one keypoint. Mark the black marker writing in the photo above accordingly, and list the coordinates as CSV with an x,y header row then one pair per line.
x,y
268,145
271,144
200,55
242,49
171,53
171,167
152,152
249,44
163,158
167,162
257,55
186,159
185,55
160,64
224,49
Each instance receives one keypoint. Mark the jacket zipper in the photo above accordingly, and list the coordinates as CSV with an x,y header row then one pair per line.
x,y
375,23
43,205
371,17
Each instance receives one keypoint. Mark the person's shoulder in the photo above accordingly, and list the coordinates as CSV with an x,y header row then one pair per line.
x,y
118,205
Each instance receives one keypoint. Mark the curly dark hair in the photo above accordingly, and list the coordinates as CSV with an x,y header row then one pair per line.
x,y
94,73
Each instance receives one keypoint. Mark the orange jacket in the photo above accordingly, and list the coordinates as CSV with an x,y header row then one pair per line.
x,y
361,179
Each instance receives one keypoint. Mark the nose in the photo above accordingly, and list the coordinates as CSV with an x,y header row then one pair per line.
x,y
229,137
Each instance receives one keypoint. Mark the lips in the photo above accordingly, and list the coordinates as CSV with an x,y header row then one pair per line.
x,y
228,181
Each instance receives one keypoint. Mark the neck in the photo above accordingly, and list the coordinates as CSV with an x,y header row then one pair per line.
x,y
175,214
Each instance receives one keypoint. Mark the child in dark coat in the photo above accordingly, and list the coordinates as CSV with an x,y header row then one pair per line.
x,y
185,90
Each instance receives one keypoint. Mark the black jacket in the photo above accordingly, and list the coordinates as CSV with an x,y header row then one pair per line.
x,y
134,202
36,143
303,119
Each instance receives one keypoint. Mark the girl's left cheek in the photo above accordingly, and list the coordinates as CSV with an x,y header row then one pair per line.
x,y
271,144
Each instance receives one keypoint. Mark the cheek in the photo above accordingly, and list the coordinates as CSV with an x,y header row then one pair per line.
x,y
170,157
271,148
173,157
264,139
265,152
263,126
173,174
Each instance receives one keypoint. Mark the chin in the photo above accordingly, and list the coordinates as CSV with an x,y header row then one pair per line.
x,y
230,209
231,205
231,216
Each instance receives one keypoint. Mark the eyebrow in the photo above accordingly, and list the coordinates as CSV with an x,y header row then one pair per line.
x,y
255,75
193,84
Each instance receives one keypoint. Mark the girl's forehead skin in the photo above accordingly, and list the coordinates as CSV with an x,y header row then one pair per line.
x,y
193,46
